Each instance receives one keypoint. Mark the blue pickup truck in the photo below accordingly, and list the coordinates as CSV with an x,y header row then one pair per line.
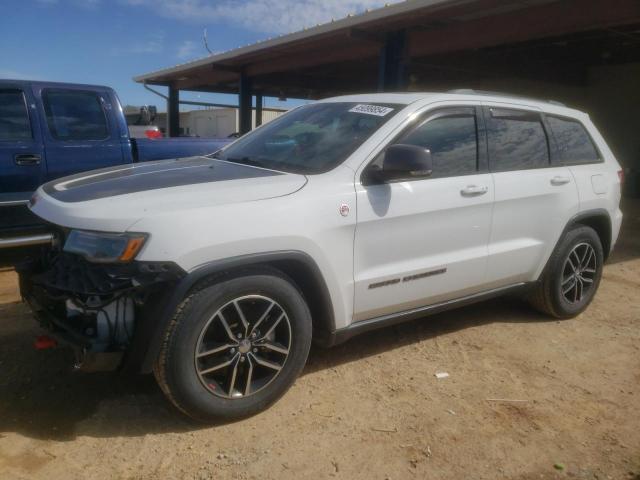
x,y
50,130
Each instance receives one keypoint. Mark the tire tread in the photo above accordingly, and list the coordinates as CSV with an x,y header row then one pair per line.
x,y
541,296
164,360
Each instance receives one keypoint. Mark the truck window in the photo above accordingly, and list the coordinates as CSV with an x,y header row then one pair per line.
x,y
574,143
517,140
75,115
14,118
453,143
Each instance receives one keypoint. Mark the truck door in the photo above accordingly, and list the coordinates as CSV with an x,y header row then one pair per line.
x,y
81,130
21,150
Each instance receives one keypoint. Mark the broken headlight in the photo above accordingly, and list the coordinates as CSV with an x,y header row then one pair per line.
x,y
105,247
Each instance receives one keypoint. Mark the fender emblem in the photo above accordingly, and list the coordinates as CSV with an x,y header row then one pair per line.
x,y
344,210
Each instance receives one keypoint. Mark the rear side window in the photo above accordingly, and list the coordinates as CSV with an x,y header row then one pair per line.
x,y
574,143
14,118
517,140
453,142
75,115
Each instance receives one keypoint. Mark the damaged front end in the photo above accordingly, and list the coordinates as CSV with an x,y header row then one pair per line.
x,y
96,308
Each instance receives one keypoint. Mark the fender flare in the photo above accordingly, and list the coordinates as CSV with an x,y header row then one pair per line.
x,y
155,319
596,213
579,218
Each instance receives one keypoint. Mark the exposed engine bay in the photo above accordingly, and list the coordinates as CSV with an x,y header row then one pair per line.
x,y
93,307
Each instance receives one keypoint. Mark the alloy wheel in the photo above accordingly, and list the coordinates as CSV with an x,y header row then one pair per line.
x,y
579,273
243,346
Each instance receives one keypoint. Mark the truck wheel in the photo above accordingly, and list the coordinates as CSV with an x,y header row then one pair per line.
x,y
234,347
572,276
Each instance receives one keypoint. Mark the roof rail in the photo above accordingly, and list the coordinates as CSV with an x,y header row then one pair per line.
x,y
471,91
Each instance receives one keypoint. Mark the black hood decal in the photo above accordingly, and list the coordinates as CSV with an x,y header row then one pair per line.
x,y
123,180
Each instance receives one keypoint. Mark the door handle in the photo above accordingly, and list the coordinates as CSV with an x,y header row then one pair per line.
x,y
26,159
558,180
473,191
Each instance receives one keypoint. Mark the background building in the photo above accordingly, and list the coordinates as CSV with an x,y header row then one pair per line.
x,y
212,122
585,53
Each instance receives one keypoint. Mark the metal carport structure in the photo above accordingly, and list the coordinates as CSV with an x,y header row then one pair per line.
x,y
546,48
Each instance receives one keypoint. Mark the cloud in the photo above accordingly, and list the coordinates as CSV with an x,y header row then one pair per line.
x,y
14,75
186,50
78,3
152,45
267,16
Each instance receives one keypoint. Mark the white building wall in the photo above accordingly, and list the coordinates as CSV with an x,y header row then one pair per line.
x,y
219,122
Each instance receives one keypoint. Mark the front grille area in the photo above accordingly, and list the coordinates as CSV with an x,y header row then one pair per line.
x,y
90,305
69,273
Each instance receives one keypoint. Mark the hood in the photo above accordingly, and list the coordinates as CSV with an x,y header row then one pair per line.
x,y
112,199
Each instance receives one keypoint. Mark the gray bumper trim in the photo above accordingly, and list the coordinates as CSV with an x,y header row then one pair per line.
x,y
26,241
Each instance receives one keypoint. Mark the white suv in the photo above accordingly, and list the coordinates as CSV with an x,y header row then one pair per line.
x,y
344,215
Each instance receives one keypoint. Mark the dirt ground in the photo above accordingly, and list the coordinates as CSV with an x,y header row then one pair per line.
x,y
370,409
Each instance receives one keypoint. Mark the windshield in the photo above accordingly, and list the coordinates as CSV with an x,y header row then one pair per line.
x,y
311,139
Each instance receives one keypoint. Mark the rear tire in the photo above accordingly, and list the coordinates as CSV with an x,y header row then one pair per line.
x,y
256,325
572,276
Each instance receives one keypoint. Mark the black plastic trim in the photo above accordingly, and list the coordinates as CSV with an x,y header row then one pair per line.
x,y
594,213
150,332
576,219
344,334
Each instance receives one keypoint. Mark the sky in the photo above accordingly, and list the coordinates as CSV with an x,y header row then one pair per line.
x,y
108,42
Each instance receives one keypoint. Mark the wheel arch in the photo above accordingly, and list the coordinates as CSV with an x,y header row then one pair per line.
x,y
297,265
600,221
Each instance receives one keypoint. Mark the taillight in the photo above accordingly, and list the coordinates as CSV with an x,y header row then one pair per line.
x,y
153,133
621,176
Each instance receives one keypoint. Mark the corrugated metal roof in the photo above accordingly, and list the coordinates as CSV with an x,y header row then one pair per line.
x,y
446,43
350,21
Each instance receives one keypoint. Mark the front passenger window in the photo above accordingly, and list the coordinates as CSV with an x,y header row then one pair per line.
x,y
453,143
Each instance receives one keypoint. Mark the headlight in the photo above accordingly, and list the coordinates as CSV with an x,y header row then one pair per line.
x,y
105,247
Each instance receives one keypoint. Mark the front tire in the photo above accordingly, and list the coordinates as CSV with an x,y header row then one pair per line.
x,y
572,276
235,346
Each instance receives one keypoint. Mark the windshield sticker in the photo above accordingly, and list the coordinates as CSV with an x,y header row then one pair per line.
x,y
376,110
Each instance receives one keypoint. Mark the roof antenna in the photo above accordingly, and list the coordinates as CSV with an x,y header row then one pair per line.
x,y
206,44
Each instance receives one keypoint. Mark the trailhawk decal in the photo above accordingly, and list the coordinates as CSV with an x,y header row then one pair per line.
x,y
376,110
408,278
142,177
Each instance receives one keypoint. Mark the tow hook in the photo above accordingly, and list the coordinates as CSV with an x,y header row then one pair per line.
x,y
44,342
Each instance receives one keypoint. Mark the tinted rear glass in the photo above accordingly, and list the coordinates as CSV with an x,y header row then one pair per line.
x,y
75,115
574,143
14,119
517,140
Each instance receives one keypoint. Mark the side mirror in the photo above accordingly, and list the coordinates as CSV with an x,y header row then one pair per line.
x,y
403,162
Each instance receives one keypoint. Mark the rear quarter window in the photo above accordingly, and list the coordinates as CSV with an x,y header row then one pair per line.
x,y
574,142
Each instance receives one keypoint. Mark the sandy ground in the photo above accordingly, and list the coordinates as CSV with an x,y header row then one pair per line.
x,y
369,409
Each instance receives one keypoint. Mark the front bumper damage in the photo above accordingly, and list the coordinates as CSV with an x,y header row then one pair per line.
x,y
96,308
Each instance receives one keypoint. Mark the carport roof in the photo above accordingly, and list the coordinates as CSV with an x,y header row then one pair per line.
x,y
342,56
300,37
